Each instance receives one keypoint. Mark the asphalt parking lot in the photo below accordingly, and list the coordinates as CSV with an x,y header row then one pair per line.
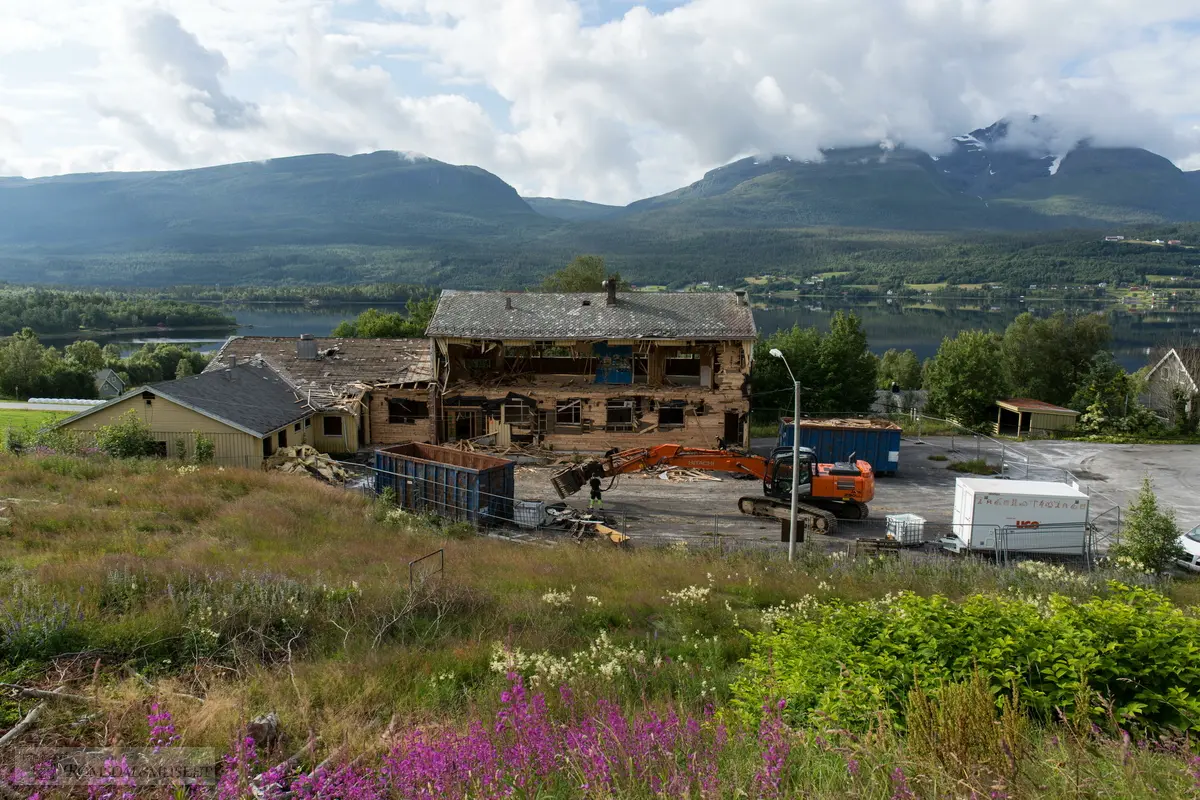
x,y
704,513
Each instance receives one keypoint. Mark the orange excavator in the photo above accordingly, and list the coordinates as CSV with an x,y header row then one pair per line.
x,y
827,492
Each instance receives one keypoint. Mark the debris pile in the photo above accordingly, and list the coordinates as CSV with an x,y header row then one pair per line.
x,y
307,460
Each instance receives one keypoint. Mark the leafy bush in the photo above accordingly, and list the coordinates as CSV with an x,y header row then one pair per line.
x,y
1151,536
206,449
841,660
128,437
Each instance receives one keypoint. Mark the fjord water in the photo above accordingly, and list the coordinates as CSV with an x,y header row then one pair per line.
x,y
889,323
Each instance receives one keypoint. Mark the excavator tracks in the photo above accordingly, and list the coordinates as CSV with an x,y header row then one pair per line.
x,y
815,520
842,509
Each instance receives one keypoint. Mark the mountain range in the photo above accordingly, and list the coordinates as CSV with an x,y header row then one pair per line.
x,y
389,215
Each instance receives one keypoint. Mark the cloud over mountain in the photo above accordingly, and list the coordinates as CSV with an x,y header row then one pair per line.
x,y
596,99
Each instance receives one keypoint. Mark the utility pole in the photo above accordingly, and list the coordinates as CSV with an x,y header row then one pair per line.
x,y
795,473
793,517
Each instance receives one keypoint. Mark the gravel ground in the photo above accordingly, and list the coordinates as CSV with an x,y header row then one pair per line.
x,y
656,511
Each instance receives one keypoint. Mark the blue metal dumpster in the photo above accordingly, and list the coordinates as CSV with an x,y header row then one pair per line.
x,y
467,487
876,441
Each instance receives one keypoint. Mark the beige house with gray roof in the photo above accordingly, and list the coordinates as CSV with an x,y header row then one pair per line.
x,y
364,392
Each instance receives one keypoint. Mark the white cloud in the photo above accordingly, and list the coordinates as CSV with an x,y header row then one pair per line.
x,y
586,98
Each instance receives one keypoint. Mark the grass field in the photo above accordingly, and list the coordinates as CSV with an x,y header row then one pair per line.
x,y
223,594
31,420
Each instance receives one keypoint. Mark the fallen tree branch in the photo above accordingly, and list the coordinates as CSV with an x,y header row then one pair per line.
x,y
24,725
42,694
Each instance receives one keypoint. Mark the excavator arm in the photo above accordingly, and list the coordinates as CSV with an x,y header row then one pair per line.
x,y
570,480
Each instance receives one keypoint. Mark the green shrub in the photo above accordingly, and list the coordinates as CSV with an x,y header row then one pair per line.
x,y
1150,536
839,661
128,437
206,449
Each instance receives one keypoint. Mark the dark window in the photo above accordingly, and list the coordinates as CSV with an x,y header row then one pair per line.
x,y
670,417
160,448
296,427
519,414
308,422
406,412
619,415
283,438
331,426
568,412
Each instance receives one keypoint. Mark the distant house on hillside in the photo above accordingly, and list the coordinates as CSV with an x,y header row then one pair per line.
x,y
108,384
1114,238
1178,370
1174,242
247,411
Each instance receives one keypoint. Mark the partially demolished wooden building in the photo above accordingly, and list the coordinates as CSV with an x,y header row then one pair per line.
x,y
364,391
592,371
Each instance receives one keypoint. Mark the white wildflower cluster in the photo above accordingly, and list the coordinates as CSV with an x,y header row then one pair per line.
x,y
1127,564
680,547
558,599
689,597
397,516
188,469
824,587
592,600
1039,601
603,659
772,616
201,623
1053,573
439,678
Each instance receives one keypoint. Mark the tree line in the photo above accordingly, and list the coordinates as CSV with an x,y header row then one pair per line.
x,y
48,311
1062,359
30,369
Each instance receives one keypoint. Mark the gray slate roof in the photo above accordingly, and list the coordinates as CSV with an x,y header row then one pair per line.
x,y
637,315
252,397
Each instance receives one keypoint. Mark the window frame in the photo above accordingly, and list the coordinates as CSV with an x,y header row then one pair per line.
x,y
341,426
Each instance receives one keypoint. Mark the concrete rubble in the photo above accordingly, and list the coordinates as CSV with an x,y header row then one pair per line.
x,y
307,460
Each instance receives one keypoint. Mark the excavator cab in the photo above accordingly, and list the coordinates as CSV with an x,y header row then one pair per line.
x,y
777,482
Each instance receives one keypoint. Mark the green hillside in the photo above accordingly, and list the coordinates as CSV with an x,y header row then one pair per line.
x,y
382,198
980,213
572,210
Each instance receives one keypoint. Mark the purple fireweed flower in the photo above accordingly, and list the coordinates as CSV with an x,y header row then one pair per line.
x,y
900,790
162,729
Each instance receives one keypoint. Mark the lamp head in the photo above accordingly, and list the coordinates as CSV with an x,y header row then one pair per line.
x,y
776,352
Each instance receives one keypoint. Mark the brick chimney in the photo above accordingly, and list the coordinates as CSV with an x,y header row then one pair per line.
x,y
611,286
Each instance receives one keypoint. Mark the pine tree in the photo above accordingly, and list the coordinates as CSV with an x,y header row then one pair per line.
x,y
1150,536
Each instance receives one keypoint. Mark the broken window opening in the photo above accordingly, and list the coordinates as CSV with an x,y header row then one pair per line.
x,y
518,414
568,412
406,412
331,426
670,417
620,415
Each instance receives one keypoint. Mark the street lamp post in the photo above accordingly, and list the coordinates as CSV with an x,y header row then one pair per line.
x,y
795,457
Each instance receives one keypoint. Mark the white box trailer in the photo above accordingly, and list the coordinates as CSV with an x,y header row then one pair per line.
x,y
993,514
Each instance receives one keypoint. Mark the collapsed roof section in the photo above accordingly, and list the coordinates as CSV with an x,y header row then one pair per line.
x,y
333,374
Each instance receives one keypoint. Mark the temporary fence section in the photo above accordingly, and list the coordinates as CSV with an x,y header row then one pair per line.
x,y
1064,540
457,485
